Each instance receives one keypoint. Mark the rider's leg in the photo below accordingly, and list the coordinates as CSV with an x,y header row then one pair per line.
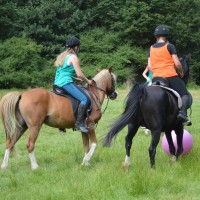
x,y
178,85
182,115
77,93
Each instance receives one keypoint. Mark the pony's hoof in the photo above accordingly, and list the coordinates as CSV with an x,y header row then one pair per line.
x,y
86,163
126,164
3,166
173,159
147,132
153,167
34,167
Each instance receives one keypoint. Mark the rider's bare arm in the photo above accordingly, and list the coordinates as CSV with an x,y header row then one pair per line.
x,y
178,64
149,64
75,61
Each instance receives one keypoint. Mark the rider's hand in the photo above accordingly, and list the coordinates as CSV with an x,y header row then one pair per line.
x,y
148,79
181,73
89,82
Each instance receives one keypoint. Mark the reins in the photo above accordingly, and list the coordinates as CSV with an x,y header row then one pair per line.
x,y
98,104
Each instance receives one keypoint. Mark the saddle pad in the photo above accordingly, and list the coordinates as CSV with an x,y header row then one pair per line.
x,y
174,92
75,103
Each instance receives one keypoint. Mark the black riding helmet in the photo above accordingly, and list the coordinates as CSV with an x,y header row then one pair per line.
x,y
161,31
73,42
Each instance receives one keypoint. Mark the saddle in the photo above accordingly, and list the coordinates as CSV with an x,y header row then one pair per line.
x,y
163,83
75,103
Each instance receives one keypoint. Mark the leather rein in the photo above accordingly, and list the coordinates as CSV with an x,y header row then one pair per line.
x,y
98,104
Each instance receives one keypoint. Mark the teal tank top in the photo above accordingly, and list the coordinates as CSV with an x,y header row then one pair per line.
x,y
65,73
150,74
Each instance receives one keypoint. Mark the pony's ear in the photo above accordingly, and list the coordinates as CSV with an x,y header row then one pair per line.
x,y
98,70
110,69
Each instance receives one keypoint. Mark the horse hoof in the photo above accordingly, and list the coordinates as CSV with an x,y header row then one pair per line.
x,y
34,167
153,167
146,131
173,159
85,163
4,166
126,164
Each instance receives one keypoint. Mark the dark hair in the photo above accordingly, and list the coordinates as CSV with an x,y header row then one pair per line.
x,y
73,41
161,31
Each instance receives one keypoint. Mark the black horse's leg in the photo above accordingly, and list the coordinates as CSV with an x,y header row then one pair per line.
x,y
179,136
170,142
154,142
132,129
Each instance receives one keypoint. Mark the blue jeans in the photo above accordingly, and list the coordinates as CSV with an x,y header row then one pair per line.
x,y
77,93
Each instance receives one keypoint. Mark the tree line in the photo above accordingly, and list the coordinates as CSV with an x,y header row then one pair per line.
x,y
114,33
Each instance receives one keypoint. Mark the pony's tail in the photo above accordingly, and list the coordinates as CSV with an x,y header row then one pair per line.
x,y
129,113
7,111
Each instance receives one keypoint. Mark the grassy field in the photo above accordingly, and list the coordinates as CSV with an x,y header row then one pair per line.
x,y
61,176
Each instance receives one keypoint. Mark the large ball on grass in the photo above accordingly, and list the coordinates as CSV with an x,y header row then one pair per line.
x,y
187,142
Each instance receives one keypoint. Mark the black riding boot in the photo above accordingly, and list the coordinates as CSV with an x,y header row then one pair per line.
x,y
80,122
182,115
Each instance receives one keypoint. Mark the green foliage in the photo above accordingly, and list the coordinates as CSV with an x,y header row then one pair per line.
x,y
21,64
101,49
195,72
8,16
106,28
50,22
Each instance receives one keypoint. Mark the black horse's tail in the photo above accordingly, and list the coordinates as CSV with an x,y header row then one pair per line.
x,y
132,102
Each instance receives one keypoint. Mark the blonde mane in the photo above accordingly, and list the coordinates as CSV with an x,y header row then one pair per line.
x,y
102,77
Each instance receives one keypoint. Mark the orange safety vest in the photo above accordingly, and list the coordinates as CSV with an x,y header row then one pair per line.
x,y
162,63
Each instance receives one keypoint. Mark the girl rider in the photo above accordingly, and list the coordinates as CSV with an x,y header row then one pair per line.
x,y
67,64
162,61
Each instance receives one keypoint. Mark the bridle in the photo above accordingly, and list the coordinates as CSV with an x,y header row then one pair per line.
x,y
109,95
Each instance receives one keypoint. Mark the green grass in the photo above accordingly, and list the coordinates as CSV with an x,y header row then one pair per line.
x,y
61,176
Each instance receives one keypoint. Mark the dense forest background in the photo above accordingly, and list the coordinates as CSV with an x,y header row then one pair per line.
x,y
114,33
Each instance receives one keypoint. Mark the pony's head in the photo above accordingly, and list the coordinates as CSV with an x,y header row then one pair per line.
x,y
112,92
106,80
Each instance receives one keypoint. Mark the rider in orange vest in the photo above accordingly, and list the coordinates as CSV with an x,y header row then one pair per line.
x,y
162,61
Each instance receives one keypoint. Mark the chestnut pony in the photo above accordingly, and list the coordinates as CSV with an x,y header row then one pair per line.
x,y
32,108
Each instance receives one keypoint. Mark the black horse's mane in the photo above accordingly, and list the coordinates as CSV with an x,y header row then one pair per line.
x,y
185,60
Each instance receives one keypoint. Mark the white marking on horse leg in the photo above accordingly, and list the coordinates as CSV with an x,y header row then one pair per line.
x,y
88,156
34,164
6,159
127,161
173,159
146,131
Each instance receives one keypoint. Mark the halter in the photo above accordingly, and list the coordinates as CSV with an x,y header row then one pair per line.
x,y
98,104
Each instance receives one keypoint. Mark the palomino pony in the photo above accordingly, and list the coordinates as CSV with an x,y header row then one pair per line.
x,y
34,107
156,109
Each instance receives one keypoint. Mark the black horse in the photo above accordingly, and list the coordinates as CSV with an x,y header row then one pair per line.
x,y
156,109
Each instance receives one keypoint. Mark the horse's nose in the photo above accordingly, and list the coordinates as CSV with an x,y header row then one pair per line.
x,y
113,96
